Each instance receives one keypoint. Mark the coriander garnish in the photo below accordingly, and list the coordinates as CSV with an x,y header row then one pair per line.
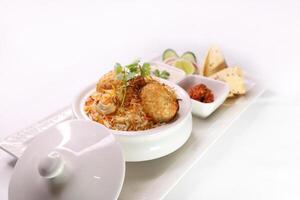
x,y
161,74
129,72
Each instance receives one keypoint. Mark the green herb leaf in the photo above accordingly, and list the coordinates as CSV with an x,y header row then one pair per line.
x,y
130,75
133,68
164,74
145,70
133,64
118,68
156,73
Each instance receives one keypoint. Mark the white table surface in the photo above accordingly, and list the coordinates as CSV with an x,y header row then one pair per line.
x,y
49,50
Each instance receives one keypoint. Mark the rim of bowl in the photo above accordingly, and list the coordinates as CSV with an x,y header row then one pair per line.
x,y
185,107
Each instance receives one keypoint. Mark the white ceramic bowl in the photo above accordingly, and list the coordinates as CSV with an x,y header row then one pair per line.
x,y
152,143
219,89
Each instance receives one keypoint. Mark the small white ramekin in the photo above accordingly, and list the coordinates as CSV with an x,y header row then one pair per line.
x,y
219,89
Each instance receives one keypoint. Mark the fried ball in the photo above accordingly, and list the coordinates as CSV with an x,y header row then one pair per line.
x,y
108,81
106,104
159,102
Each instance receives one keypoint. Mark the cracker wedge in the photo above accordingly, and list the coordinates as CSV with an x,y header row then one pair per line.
x,y
214,61
233,76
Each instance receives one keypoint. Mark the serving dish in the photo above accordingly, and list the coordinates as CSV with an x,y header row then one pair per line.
x,y
142,178
219,89
152,143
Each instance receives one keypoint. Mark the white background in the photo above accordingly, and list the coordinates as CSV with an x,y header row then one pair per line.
x,y
49,50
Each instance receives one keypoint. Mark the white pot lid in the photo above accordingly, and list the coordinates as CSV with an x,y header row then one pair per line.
x,y
74,160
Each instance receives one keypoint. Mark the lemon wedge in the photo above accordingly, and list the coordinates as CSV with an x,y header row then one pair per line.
x,y
185,65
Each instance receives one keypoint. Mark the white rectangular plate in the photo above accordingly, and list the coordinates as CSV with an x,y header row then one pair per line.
x,y
154,179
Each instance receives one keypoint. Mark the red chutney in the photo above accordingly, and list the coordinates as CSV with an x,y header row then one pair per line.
x,y
201,93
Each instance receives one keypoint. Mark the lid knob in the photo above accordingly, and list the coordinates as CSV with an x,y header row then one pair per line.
x,y
51,166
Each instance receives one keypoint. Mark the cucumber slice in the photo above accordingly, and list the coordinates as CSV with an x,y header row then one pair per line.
x,y
187,66
169,53
190,56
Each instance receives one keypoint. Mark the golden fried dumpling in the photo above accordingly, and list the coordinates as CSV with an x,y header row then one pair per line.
x,y
108,81
158,102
